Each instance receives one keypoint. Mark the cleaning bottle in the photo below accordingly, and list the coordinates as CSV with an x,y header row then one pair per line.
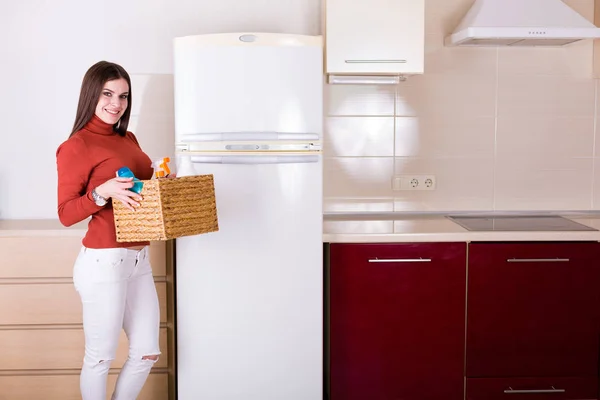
x,y
161,168
185,167
125,172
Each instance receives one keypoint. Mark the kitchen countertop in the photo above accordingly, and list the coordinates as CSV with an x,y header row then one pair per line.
x,y
397,228
356,229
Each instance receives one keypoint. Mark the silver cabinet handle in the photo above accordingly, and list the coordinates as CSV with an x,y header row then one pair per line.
x,y
526,260
375,61
399,260
533,391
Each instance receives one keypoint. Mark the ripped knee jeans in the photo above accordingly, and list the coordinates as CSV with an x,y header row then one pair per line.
x,y
117,292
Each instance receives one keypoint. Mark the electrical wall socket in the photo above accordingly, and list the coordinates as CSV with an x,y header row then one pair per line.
x,y
413,182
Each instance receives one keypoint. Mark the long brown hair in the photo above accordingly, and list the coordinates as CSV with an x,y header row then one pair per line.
x,y
91,88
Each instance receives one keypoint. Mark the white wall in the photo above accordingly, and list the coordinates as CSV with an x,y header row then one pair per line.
x,y
48,45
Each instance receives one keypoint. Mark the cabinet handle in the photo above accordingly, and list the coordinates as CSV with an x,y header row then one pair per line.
x,y
399,260
533,391
375,61
526,260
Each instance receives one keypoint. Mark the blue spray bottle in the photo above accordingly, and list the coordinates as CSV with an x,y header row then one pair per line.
x,y
125,172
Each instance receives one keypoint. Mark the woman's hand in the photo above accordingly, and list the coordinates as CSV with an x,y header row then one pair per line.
x,y
118,188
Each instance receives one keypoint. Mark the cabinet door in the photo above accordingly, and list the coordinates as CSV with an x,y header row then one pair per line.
x,y
397,321
375,36
533,309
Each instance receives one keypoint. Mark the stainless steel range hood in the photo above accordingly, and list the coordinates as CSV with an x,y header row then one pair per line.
x,y
521,23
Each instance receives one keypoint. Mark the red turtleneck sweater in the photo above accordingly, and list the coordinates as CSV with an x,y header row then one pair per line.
x,y
86,160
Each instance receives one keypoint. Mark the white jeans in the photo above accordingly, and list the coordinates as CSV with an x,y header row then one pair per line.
x,y
117,292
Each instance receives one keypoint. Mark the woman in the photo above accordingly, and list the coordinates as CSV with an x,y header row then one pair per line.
x,y
114,280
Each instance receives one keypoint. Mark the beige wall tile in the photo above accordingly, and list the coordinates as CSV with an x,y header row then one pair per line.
x,y
358,184
597,90
545,95
451,136
452,94
462,184
597,124
596,191
354,205
583,7
359,137
359,100
444,15
570,61
465,61
545,137
525,183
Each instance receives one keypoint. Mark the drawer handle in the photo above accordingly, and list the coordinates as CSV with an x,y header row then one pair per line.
x,y
530,260
375,61
523,391
399,260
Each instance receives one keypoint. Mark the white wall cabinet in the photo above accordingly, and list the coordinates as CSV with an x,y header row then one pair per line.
x,y
376,37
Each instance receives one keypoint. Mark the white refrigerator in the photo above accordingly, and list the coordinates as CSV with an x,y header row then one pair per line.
x,y
249,298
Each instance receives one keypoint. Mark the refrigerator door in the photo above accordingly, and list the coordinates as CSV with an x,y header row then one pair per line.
x,y
250,296
263,85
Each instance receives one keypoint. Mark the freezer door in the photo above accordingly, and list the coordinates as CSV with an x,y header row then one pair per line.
x,y
249,297
224,84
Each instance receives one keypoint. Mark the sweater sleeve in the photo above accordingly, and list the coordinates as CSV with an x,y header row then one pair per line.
x,y
74,203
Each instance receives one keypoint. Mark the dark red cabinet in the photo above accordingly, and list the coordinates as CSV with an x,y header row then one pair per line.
x,y
533,311
397,321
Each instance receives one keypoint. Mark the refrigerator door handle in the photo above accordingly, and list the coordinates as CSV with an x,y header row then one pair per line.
x,y
194,148
273,147
256,159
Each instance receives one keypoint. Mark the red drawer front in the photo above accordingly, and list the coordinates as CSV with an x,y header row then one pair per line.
x,y
535,315
532,389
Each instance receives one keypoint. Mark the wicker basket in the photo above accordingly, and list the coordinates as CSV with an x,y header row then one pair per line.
x,y
170,208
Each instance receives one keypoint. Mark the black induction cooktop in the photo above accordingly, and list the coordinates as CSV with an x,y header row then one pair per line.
x,y
519,223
